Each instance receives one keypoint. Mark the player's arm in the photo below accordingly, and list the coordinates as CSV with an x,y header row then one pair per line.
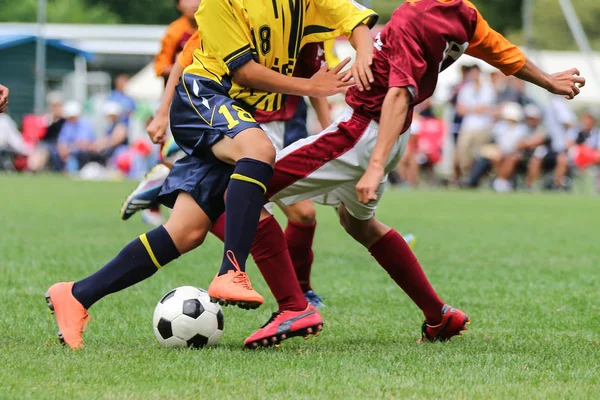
x,y
393,116
3,98
158,127
493,48
362,41
322,84
321,107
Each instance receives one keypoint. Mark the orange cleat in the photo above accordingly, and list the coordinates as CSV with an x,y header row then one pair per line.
x,y
234,288
71,317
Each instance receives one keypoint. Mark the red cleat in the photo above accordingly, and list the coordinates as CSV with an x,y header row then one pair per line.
x,y
453,323
284,325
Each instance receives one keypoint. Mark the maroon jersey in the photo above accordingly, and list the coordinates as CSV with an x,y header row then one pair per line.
x,y
423,38
310,60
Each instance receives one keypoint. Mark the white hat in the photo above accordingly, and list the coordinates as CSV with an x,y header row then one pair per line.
x,y
72,109
112,108
54,98
532,111
512,112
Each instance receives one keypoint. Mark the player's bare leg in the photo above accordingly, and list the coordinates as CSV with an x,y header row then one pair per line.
x,y
391,251
253,155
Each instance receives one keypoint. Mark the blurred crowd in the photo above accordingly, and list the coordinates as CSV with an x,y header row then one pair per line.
x,y
65,140
491,130
498,134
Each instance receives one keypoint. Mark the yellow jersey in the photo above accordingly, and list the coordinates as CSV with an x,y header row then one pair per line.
x,y
270,32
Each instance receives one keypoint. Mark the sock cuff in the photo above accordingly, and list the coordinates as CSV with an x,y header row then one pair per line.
x,y
391,235
160,246
300,225
253,171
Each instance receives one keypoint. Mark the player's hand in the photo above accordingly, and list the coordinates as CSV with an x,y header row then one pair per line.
x,y
157,128
361,71
3,98
366,188
328,83
567,83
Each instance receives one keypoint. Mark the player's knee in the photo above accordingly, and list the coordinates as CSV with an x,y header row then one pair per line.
x,y
302,213
356,228
264,151
186,238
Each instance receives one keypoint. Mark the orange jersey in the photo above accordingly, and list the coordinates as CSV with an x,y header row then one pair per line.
x,y
173,42
186,57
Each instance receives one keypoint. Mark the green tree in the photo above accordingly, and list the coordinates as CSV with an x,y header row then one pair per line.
x,y
141,11
63,11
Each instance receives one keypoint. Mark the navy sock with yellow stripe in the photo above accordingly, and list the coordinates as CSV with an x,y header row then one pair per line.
x,y
245,199
139,260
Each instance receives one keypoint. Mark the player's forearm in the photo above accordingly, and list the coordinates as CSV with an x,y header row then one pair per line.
x,y
169,93
256,76
393,116
532,73
321,107
361,40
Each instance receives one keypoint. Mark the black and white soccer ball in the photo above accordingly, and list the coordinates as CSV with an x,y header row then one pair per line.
x,y
185,317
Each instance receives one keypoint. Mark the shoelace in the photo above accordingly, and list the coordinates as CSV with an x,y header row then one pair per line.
x,y
240,277
86,321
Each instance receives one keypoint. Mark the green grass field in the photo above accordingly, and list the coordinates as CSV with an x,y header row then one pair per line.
x,y
524,266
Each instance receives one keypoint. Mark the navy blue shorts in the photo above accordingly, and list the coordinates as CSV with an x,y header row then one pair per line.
x,y
295,128
202,113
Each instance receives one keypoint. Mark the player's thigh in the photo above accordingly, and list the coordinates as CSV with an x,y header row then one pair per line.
x,y
204,119
201,183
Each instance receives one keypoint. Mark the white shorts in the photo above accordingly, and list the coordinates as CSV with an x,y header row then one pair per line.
x,y
275,130
326,167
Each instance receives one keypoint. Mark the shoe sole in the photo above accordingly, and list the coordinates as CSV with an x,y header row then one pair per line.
x,y
246,305
275,340
61,339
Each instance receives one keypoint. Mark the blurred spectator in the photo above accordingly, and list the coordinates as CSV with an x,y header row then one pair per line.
x,y
118,96
424,149
11,142
176,36
106,146
76,136
46,152
512,90
584,142
475,103
456,117
513,144
558,120
586,132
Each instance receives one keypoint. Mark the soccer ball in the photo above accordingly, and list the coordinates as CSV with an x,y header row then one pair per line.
x,y
185,317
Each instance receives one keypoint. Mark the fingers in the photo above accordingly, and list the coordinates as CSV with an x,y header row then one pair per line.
x,y
340,66
365,194
574,71
579,80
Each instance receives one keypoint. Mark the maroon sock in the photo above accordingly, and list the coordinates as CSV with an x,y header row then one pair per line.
x,y
394,255
218,228
270,253
299,238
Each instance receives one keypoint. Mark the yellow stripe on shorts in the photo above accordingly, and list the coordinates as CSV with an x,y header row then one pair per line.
x,y
146,244
244,178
